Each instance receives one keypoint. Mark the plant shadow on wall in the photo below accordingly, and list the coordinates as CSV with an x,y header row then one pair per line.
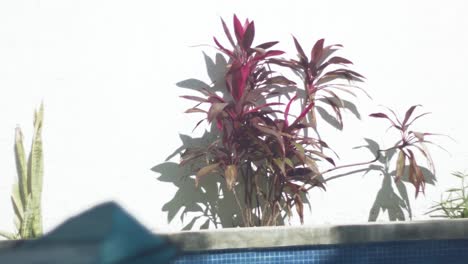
x,y
264,153
210,202
395,204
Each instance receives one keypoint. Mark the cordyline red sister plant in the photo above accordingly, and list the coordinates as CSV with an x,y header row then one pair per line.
x,y
264,151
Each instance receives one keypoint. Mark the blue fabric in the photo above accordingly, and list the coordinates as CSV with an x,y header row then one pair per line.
x,y
105,234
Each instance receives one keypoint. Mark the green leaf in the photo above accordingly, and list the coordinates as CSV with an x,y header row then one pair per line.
x,y
280,164
7,235
36,173
289,162
454,190
25,231
21,167
300,152
18,206
35,158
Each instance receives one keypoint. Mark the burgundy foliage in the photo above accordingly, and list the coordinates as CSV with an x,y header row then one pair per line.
x,y
264,150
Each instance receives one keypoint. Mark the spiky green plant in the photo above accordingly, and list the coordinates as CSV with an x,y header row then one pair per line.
x,y
27,191
455,203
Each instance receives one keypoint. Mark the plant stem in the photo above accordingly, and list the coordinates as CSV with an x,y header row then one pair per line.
x,y
240,207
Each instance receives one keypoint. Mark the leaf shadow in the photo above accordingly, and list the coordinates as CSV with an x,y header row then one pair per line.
x,y
388,200
210,203
216,69
343,105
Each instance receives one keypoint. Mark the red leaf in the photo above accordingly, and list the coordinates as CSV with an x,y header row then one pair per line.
x,y
334,60
195,98
303,114
248,36
347,72
416,118
195,110
328,51
228,33
199,122
238,29
379,115
214,98
382,115
267,45
256,109
339,60
270,53
341,74
317,50
416,176
301,52
219,124
408,114
286,112
223,49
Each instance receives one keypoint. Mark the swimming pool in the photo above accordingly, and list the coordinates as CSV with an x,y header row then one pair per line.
x,y
437,241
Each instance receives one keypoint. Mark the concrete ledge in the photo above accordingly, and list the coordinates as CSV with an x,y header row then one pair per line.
x,y
5,244
265,237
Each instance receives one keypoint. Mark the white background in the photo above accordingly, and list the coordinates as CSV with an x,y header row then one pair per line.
x,y
106,71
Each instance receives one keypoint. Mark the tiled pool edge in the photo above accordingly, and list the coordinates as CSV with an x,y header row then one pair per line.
x,y
270,237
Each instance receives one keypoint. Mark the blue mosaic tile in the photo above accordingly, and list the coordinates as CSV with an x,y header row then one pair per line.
x,y
396,252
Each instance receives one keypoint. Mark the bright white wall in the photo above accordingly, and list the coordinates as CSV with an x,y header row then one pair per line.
x,y
106,71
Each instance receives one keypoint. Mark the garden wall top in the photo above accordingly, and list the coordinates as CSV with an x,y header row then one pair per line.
x,y
265,237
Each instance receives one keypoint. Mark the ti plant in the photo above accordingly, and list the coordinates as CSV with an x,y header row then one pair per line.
x,y
265,149
455,203
410,142
26,193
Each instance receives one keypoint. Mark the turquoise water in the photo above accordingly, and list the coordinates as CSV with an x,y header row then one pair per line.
x,y
404,252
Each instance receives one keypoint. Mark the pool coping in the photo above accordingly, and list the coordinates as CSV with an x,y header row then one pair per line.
x,y
268,237
287,236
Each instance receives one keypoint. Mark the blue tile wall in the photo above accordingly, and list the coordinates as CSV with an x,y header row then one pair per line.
x,y
404,252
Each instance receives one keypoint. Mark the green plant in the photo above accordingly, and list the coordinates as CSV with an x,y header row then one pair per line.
x,y
270,153
455,203
27,191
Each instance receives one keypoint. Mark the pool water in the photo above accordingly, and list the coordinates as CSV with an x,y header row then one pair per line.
x,y
394,252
